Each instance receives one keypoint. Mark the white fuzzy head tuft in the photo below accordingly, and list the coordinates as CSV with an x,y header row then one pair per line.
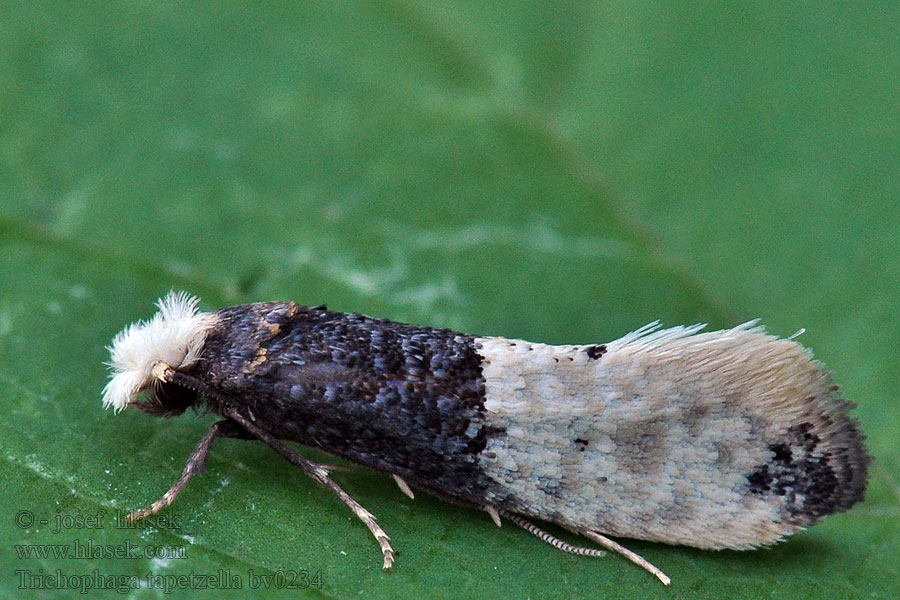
x,y
173,337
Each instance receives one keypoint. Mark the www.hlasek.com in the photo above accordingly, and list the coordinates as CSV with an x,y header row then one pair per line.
x,y
88,549
223,579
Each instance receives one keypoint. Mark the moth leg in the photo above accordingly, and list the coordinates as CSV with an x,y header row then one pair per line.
x,y
195,465
404,487
635,558
549,538
320,475
495,514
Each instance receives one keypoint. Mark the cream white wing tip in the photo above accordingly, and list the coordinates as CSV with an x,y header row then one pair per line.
x,y
173,336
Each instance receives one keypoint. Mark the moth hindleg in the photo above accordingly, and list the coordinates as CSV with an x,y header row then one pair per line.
x,y
548,537
622,550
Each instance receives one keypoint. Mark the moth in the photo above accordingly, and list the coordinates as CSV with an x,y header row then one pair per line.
x,y
721,439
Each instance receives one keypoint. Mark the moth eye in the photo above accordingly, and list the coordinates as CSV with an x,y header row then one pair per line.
x,y
167,400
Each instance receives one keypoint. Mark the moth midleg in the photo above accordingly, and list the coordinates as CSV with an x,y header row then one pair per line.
x,y
319,474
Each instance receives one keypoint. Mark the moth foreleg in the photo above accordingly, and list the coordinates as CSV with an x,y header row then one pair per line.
x,y
196,464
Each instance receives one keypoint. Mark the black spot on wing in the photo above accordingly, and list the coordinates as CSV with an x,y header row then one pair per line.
x,y
595,352
817,470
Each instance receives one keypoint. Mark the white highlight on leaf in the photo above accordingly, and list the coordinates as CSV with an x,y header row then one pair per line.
x,y
174,336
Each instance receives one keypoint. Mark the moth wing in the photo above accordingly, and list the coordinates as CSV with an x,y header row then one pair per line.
x,y
724,439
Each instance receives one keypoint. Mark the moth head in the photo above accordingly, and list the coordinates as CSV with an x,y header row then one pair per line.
x,y
144,351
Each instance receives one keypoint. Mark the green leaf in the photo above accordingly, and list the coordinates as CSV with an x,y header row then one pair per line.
x,y
558,172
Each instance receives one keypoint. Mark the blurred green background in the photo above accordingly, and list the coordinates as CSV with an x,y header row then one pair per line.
x,y
562,172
